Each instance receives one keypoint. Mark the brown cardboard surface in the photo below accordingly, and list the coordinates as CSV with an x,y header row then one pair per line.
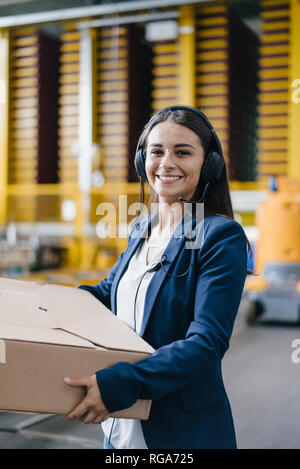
x,y
44,336
71,309
48,332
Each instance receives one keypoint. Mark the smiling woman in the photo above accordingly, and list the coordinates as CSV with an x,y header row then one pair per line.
x,y
207,151
184,303
174,159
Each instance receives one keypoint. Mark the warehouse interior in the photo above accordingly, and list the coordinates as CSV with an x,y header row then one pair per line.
x,y
78,90
78,81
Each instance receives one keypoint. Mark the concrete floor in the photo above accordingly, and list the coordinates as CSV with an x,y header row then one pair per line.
x,y
18,431
262,382
263,385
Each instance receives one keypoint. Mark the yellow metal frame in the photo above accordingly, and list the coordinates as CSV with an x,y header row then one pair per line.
x,y
186,69
248,185
4,108
294,101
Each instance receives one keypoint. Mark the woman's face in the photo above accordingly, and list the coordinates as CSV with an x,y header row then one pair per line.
x,y
174,158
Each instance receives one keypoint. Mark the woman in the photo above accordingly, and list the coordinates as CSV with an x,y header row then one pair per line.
x,y
180,295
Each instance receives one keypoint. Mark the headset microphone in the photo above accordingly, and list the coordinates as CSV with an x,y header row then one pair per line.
x,y
196,201
156,265
152,268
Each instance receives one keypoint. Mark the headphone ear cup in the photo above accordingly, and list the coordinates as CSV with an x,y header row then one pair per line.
x,y
139,163
212,168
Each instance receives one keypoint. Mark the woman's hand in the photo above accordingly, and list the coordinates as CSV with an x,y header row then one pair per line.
x,y
91,408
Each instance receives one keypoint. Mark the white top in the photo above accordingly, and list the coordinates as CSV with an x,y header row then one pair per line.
x,y
127,433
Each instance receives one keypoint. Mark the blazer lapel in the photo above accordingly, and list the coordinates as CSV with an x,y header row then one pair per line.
x,y
158,278
176,244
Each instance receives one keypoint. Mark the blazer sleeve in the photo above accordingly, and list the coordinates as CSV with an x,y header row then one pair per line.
x,y
220,281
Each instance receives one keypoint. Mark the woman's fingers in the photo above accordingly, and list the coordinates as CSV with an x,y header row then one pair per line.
x,y
78,380
91,408
91,417
79,411
88,417
98,419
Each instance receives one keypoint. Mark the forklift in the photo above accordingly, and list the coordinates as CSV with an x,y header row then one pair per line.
x,y
273,291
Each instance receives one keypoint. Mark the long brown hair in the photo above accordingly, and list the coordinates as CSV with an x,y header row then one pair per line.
x,y
218,199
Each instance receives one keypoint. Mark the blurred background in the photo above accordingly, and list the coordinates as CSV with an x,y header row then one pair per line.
x,y
78,81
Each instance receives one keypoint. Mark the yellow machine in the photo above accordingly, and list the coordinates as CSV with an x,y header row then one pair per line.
x,y
274,294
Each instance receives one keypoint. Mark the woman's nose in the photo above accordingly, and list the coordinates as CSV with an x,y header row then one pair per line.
x,y
167,160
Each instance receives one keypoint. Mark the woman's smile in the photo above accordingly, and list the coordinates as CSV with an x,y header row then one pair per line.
x,y
166,179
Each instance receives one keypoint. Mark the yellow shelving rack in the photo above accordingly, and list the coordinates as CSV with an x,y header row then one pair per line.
x,y
274,89
176,79
294,91
4,107
68,104
212,55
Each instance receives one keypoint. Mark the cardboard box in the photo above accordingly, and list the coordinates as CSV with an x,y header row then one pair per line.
x,y
48,332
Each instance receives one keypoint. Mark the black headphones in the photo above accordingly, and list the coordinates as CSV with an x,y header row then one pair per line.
x,y
213,164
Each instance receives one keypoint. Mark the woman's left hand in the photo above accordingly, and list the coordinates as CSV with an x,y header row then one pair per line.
x,y
91,408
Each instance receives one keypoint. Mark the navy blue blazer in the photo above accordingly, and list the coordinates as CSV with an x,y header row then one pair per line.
x,y
188,320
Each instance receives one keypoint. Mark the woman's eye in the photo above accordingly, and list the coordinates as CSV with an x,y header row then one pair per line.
x,y
157,152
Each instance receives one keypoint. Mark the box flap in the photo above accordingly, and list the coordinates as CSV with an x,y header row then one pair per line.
x,y
32,305
83,315
19,305
44,336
